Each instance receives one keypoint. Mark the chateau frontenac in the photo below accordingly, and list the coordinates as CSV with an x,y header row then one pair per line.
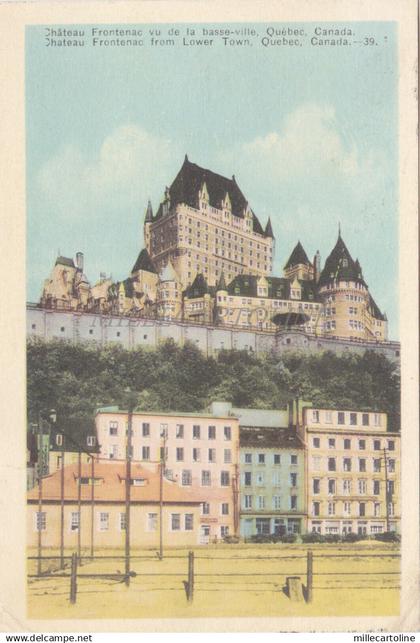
x,y
208,260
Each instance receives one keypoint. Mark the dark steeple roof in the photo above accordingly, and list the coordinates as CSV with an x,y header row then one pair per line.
x,y
222,283
198,288
268,229
144,262
298,256
340,265
65,261
149,213
190,180
375,310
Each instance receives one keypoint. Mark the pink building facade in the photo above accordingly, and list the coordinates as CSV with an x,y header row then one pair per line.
x,y
201,452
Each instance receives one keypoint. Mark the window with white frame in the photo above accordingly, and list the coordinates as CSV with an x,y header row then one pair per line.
x,y
331,443
189,522
276,502
122,521
186,478
225,509
145,453
152,521
227,456
224,531
145,429
293,502
316,463
74,521
347,508
196,432
113,451
346,464
347,486
391,465
328,417
362,485
331,508
180,454
91,440
377,509
212,433
248,458
196,455
260,502
247,502
227,433
276,458
377,465
293,459
113,428
224,478
179,431
316,443
175,522
206,478
315,416
377,419
205,508
103,521
261,458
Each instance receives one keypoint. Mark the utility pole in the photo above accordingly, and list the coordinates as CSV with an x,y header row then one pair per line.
x,y
52,417
164,435
128,495
386,490
62,509
79,506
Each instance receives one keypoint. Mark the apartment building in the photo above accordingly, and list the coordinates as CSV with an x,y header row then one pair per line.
x,y
352,472
200,452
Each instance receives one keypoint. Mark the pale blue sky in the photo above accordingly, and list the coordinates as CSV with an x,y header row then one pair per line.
x,y
310,134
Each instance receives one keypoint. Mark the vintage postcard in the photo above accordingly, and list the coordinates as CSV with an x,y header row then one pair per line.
x,y
214,214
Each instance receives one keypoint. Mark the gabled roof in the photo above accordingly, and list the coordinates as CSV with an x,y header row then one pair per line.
x,y
144,262
340,265
149,212
65,261
277,287
268,438
190,180
75,432
298,256
268,229
110,485
198,288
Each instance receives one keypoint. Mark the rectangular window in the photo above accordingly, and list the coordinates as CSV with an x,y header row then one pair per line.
x,y
377,445
316,443
346,464
331,443
74,521
362,486
391,445
212,433
362,508
377,419
175,522
227,433
227,456
293,502
122,522
331,464
391,465
212,455
362,464
347,443
390,488
316,463
293,459
196,455
341,417
362,445
261,458
247,502
376,487
276,458
331,508
145,429
224,531
91,441
152,520
347,508
225,508
180,454
377,509
224,478
196,432
260,479
316,485
293,479
248,458
365,419
315,416
328,417
276,500
113,428
103,521
377,465
315,508
189,522
347,486
205,508
331,486
206,478
260,502
186,477
353,419
41,520
145,453
179,431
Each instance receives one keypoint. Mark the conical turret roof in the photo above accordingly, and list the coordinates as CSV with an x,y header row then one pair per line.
x,y
298,256
268,229
149,213
169,273
222,283
340,265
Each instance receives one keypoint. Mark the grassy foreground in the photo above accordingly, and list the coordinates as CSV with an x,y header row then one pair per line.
x,y
230,581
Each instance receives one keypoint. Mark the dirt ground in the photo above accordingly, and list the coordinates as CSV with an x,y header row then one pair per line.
x,y
235,580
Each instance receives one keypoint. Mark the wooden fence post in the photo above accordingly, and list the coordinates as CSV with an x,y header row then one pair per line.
x,y
190,584
309,576
73,578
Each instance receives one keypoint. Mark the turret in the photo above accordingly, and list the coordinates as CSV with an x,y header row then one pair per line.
x,y
79,260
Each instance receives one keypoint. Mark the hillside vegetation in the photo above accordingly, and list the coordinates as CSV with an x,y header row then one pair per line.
x,y
75,379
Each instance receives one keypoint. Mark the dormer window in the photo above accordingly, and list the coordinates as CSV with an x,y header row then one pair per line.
x,y
345,263
59,440
91,440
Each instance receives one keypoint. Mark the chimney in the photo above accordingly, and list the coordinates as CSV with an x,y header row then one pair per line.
x,y
79,260
317,266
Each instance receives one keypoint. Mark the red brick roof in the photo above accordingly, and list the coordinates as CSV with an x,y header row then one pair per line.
x,y
110,485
